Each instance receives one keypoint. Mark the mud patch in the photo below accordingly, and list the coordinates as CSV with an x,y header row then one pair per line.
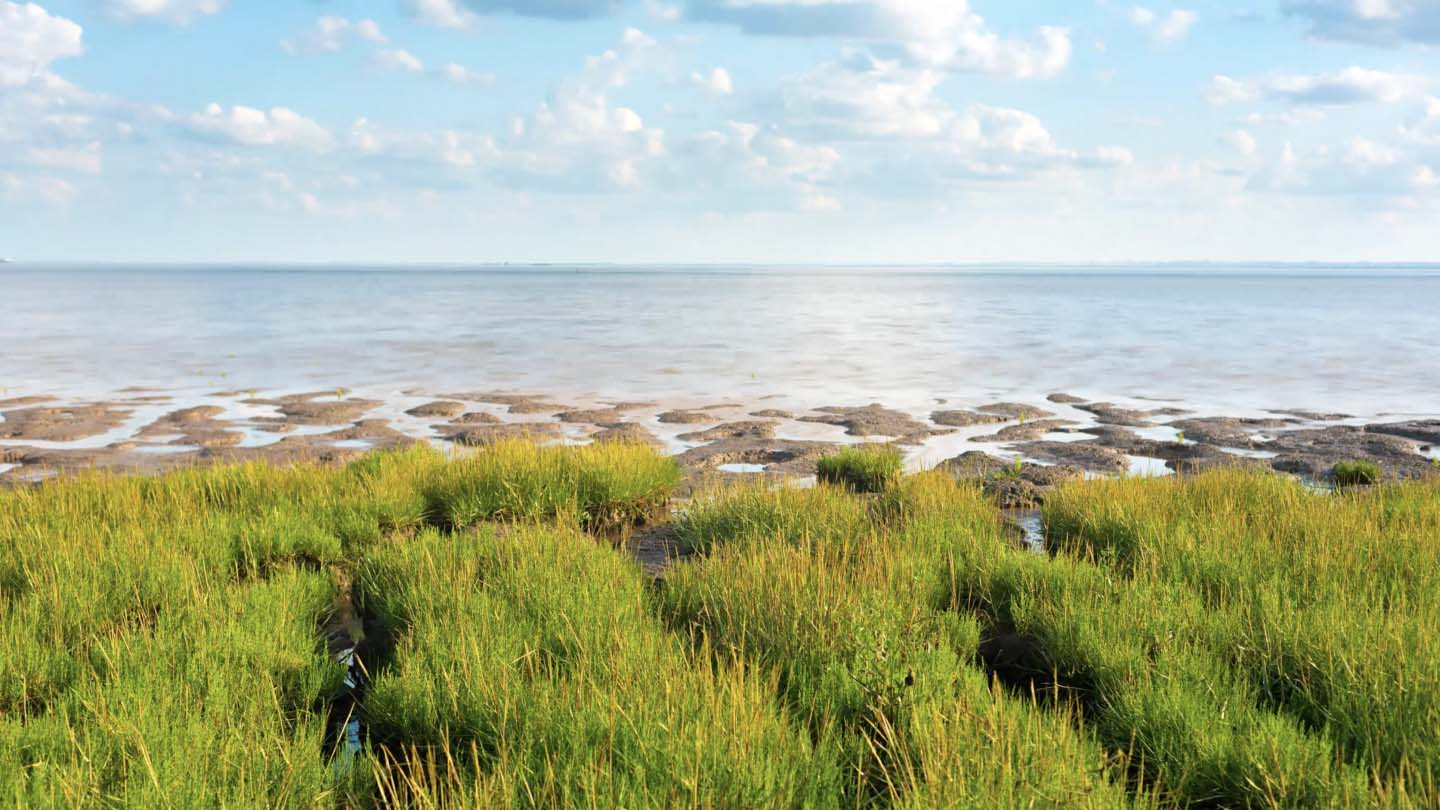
x,y
49,424
479,435
319,407
876,420
439,409
962,419
732,431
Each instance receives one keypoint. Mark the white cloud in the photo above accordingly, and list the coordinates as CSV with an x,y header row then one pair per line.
x,y
330,33
863,98
279,126
1241,141
716,82
663,11
48,190
766,166
30,39
84,158
934,33
1353,85
918,136
1374,22
399,59
1164,27
1361,168
579,140
441,13
459,74
176,11
447,147
462,13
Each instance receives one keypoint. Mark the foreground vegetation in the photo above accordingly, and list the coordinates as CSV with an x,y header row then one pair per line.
x,y
1227,640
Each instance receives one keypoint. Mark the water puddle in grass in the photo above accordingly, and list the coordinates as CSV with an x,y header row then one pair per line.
x,y
1066,436
344,633
1249,453
1030,525
742,469
165,449
352,444
4,468
1159,433
345,714
1147,467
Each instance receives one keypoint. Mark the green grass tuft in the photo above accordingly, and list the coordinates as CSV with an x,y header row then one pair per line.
x,y
863,468
1355,473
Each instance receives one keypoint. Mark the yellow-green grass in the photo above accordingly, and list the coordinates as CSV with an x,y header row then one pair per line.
x,y
159,637
601,485
528,671
1224,640
810,583
863,468
1328,607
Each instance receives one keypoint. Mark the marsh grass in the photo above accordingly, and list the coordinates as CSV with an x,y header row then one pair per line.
x,y
862,468
1355,473
814,584
531,660
599,486
1321,609
1223,640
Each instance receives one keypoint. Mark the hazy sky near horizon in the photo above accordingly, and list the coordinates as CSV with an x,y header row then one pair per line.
x,y
720,130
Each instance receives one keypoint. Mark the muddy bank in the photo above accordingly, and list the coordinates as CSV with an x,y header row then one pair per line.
x,y
62,424
1055,436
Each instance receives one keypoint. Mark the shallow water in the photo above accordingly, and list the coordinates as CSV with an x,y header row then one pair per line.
x,y
1220,337
742,469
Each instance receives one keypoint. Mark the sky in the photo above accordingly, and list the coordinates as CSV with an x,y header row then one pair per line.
x,y
715,131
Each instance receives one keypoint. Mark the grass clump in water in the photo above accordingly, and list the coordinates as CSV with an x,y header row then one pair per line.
x,y
861,468
602,485
1356,473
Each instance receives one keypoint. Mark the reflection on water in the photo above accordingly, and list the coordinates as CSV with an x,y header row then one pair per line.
x,y
1359,341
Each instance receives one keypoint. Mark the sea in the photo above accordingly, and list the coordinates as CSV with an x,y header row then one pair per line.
x,y
1359,339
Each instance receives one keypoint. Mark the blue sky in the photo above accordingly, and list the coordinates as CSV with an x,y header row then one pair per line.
x,y
837,131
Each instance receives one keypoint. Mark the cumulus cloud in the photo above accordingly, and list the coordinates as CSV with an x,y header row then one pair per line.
x,y
331,33
399,59
441,13
864,98
745,157
1361,167
935,33
1164,27
176,11
1373,22
716,82
1353,85
48,190
249,126
1241,141
462,13
578,140
85,159
893,108
459,74
447,147
30,39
